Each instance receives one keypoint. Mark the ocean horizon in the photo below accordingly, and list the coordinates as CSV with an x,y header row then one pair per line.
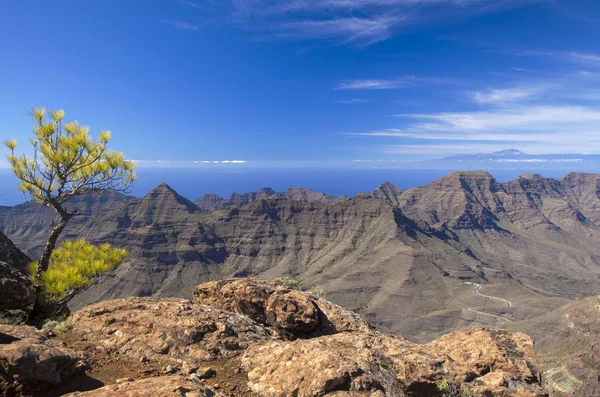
x,y
193,182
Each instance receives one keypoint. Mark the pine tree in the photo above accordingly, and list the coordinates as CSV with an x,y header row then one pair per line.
x,y
66,162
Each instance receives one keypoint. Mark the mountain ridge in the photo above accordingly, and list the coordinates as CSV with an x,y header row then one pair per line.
x,y
463,224
464,250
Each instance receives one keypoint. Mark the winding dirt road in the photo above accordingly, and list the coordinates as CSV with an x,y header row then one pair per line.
x,y
476,292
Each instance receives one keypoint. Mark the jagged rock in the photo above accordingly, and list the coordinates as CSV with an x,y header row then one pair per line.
x,y
310,196
483,361
28,362
163,386
16,291
466,357
292,311
388,193
316,367
166,329
10,254
290,354
212,202
300,313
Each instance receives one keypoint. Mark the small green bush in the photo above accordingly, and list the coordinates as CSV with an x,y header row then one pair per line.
x,y
63,327
317,291
451,389
287,282
74,264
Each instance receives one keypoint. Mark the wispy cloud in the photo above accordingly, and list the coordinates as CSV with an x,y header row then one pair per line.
x,y
554,128
353,101
356,23
506,95
539,114
371,84
535,118
181,24
575,57
588,59
390,83
354,31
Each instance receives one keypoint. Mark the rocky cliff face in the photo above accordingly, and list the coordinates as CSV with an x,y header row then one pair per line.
x,y
250,337
211,202
16,291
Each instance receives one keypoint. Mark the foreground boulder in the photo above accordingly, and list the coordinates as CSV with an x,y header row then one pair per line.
x,y
344,362
170,330
29,362
301,314
488,362
164,386
474,360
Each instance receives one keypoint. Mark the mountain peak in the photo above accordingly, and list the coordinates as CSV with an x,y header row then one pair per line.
x,y
389,193
164,192
509,152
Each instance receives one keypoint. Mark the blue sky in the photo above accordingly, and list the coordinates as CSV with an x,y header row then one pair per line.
x,y
307,81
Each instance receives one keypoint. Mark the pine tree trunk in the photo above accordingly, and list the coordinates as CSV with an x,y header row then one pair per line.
x,y
44,261
39,312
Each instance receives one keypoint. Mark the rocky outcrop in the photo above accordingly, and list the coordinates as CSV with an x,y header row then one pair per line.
x,y
10,254
337,364
30,363
16,290
164,386
389,193
470,356
310,196
212,202
172,331
300,314
211,346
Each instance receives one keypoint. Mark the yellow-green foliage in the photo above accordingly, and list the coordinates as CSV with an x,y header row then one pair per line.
x,y
286,281
451,389
67,161
317,291
74,264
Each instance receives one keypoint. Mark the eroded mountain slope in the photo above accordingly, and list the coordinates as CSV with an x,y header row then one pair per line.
x,y
462,250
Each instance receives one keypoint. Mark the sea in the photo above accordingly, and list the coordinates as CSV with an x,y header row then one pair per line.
x,y
194,182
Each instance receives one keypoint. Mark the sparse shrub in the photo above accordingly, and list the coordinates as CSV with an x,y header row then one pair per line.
x,y
73,265
287,282
63,327
317,291
451,389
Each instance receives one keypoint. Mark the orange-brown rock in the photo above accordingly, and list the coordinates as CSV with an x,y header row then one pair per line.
x,y
315,367
168,329
305,347
468,357
292,311
270,304
163,386
29,362
464,355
